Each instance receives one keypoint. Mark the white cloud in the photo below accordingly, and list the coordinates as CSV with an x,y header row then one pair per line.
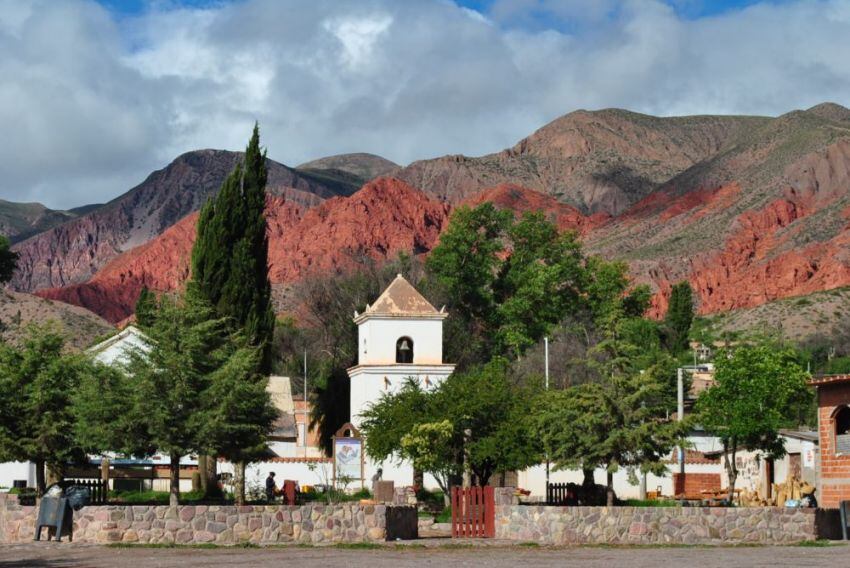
x,y
90,105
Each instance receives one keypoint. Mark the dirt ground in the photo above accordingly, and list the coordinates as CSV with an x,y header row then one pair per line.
x,y
52,555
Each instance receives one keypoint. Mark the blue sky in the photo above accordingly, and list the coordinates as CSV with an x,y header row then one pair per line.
x,y
540,16
113,89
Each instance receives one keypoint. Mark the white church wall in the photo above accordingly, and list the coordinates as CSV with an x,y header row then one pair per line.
x,y
378,336
534,479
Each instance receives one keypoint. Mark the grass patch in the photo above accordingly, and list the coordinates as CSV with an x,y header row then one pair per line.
x,y
136,497
203,546
445,516
813,543
529,544
358,545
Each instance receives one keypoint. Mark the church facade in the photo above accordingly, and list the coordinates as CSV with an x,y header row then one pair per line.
x,y
400,337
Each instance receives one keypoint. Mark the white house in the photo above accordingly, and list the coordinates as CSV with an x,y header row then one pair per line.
x,y
116,350
400,337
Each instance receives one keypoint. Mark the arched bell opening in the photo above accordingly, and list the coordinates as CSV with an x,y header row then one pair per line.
x,y
404,350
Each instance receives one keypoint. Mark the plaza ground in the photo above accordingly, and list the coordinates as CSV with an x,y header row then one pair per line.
x,y
55,555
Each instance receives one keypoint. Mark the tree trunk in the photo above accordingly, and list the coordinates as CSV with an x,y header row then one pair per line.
x,y
239,482
589,481
203,474
642,490
732,470
609,497
418,479
55,473
212,489
174,485
40,485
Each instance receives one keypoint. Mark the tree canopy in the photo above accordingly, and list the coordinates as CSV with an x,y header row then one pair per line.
x,y
8,260
476,420
230,255
36,418
758,390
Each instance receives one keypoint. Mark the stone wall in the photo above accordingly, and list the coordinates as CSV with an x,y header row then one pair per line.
x,y
220,524
654,525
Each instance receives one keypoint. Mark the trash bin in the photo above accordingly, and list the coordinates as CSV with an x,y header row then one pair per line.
x,y
78,496
54,512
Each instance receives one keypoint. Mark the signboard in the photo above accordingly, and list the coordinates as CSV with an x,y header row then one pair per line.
x,y
348,456
807,449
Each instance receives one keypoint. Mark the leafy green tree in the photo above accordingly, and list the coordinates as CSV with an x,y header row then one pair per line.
x,y
8,260
105,416
36,418
621,422
239,411
428,446
758,390
145,308
680,316
188,345
488,416
508,283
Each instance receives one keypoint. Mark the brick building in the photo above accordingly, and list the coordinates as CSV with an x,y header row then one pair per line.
x,y
833,394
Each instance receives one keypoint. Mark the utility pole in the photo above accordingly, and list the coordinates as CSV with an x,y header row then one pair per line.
x,y
546,359
306,412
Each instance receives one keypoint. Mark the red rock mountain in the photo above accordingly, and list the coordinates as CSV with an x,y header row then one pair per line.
x,y
382,219
748,209
73,252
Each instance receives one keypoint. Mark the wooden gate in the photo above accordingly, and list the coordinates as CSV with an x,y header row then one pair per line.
x,y
473,512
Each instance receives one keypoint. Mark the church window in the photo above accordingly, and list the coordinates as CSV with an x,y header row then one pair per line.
x,y
404,350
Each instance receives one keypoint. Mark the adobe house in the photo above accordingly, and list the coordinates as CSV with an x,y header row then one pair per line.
x,y
833,395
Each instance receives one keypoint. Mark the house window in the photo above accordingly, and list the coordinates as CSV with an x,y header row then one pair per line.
x,y
404,350
842,430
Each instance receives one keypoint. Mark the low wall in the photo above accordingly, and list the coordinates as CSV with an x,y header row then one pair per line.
x,y
192,524
654,525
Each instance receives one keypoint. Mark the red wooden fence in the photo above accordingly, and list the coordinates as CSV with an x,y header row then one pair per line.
x,y
473,512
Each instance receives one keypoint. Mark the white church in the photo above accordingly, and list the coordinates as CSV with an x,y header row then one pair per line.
x,y
400,337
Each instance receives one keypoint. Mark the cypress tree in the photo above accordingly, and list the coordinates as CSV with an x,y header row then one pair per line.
x,y
8,260
146,308
680,315
230,273
230,256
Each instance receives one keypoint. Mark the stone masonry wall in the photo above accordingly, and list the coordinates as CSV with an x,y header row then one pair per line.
x,y
654,525
191,524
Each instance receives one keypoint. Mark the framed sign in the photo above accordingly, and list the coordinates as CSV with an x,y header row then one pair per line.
x,y
348,456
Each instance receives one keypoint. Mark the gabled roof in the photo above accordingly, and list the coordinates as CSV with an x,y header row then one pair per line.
x,y
128,333
400,299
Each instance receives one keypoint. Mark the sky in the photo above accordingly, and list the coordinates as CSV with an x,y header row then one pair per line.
x,y
97,94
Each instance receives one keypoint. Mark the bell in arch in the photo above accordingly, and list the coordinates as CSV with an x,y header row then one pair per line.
x,y
404,350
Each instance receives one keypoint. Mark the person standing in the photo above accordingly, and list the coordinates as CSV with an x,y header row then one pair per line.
x,y
271,487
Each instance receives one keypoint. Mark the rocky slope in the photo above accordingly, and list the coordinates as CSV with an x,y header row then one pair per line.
x,y
749,210
17,310
382,219
362,166
19,221
765,219
598,162
74,251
